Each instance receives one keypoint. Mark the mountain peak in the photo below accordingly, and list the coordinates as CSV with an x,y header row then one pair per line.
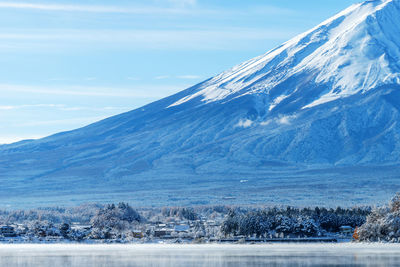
x,y
321,111
352,52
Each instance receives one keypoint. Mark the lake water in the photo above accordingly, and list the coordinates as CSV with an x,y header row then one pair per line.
x,y
201,255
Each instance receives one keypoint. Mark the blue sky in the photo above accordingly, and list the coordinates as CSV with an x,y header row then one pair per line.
x,y
65,64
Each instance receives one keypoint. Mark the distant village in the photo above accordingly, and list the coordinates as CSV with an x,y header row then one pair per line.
x,y
169,232
122,224
183,232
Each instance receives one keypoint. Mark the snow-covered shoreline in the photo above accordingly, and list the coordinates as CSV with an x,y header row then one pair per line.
x,y
255,249
311,246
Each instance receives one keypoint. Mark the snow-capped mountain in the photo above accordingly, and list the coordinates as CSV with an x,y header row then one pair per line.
x,y
328,99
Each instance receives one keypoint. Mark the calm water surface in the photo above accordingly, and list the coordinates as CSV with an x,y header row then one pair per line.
x,y
201,255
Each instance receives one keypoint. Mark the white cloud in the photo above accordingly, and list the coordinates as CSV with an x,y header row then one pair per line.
x,y
76,108
225,38
271,10
182,77
117,108
188,77
183,3
62,107
92,8
286,119
31,106
162,77
181,7
244,123
266,123
7,107
140,91
283,119
138,35
64,122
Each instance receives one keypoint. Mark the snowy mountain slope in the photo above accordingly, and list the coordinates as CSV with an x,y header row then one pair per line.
x,y
355,51
328,99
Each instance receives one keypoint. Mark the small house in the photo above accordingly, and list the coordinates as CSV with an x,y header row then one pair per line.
x,y
212,223
80,227
137,234
346,230
7,231
183,228
162,233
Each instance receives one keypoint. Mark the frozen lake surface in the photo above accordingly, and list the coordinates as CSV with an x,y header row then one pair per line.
x,y
201,255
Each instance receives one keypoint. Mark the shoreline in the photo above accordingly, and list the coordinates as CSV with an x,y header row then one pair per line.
x,y
210,248
220,245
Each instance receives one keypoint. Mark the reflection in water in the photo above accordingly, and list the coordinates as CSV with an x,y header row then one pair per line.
x,y
201,255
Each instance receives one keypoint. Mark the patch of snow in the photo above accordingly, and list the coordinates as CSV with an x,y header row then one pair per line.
x,y
277,100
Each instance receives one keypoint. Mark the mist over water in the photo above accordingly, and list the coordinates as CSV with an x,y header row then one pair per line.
x,y
51,255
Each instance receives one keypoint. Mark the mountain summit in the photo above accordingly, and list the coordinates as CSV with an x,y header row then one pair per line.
x,y
355,51
318,115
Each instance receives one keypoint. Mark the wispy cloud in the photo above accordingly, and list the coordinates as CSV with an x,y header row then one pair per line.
x,y
181,7
244,123
64,122
202,39
181,77
162,77
141,91
270,10
31,106
96,109
188,77
7,107
148,36
92,8
183,3
62,107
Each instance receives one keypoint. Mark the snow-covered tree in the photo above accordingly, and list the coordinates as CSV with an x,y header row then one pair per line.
x,y
119,217
231,224
383,224
306,226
